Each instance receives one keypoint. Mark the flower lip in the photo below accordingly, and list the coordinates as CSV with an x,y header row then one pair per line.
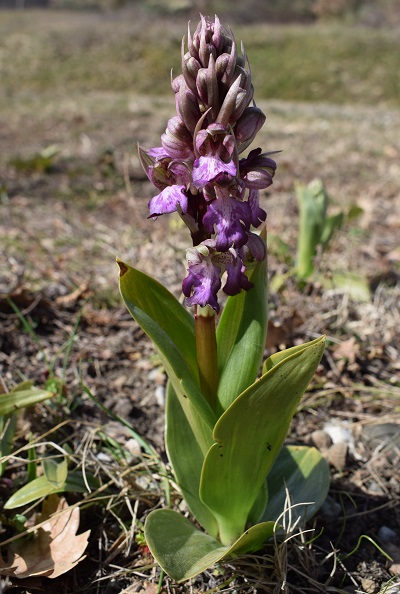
x,y
167,201
203,281
207,168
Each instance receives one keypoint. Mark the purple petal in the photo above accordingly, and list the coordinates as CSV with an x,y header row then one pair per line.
x,y
206,169
236,280
257,170
258,215
158,152
202,284
168,200
231,218
256,246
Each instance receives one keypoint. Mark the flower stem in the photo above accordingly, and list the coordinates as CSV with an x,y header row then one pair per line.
x,y
206,344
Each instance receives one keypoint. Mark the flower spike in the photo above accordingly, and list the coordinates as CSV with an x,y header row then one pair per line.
x,y
197,170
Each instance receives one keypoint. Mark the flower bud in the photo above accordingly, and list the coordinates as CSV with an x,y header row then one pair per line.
x,y
249,123
187,105
257,170
190,68
177,140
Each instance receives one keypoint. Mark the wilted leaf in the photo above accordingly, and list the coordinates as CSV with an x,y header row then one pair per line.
x,y
55,547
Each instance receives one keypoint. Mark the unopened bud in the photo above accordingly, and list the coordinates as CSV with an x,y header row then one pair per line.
x,y
249,123
187,106
177,139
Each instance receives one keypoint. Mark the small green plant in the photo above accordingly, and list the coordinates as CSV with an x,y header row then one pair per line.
x,y
315,226
316,229
40,162
21,396
225,424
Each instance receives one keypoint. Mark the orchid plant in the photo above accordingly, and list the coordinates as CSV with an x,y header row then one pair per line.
x,y
225,424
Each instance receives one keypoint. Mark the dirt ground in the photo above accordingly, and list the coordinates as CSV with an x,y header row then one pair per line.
x,y
63,223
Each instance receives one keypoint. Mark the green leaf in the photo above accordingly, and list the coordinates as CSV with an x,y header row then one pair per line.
x,y
313,204
249,437
354,212
41,487
281,355
21,397
183,551
258,509
332,224
31,466
171,328
186,459
304,472
241,335
355,285
55,472
8,425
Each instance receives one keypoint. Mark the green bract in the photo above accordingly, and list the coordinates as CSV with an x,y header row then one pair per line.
x,y
230,462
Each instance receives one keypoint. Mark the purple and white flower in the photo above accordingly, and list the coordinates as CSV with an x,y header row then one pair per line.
x,y
197,169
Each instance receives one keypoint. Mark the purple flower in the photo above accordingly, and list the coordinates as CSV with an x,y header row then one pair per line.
x,y
203,281
214,147
168,200
258,215
206,169
197,169
256,247
237,280
231,218
257,170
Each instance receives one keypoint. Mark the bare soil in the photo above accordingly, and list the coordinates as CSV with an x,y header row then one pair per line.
x,y
61,227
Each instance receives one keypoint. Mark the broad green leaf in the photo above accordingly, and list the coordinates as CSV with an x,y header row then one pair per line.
x,y
281,355
241,335
183,551
258,509
21,398
304,473
41,487
171,329
55,472
249,437
186,459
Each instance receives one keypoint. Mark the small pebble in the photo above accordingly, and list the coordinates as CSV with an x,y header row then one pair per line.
x,y
337,455
133,447
386,534
331,509
321,439
368,585
160,395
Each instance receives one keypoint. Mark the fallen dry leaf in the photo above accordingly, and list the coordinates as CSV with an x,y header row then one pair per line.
x,y
347,349
55,547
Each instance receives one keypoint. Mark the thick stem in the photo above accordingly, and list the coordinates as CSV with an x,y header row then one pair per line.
x,y
206,344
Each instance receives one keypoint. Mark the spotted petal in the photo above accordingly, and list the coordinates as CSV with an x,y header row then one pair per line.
x,y
258,215
231,218
237,280
207,168
202,284
168,200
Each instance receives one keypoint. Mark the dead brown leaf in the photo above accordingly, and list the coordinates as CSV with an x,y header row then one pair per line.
x,y
348,349
55,547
